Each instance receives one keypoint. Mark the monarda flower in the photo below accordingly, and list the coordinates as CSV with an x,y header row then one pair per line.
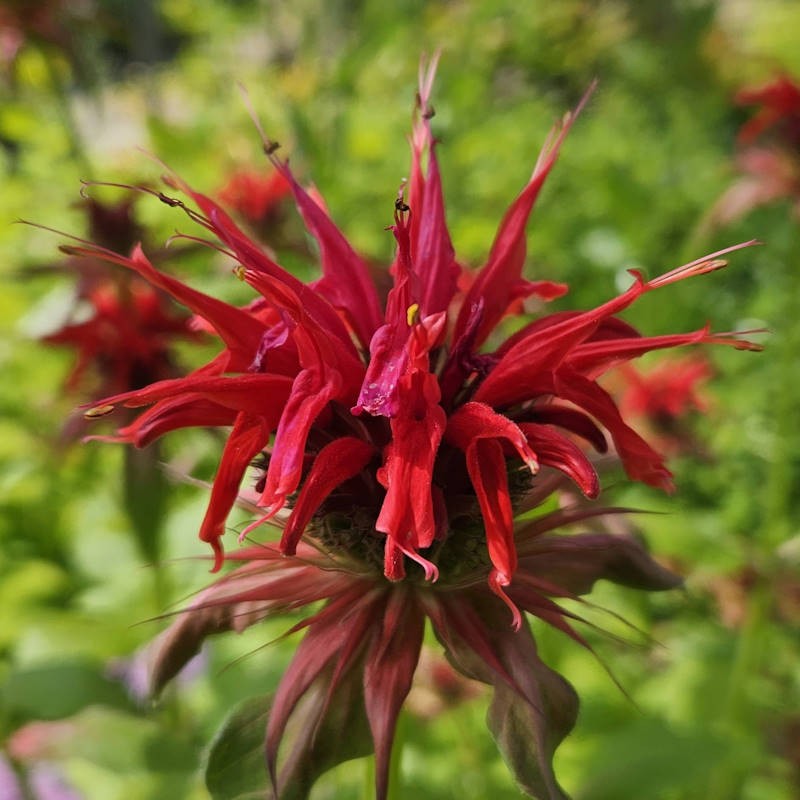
x,y
121,328
660,398
396,444
257,196
768,158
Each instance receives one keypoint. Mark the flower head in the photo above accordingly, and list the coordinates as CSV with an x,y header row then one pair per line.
x,y
121,327
401,440
778,114
257,196
769,151
660,397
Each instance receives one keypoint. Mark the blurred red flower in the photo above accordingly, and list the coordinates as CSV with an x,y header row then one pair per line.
x,y
769,151
255,195
778,114
121,327
660,398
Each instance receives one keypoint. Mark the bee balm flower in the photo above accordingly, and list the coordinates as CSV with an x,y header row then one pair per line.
x,y
401,440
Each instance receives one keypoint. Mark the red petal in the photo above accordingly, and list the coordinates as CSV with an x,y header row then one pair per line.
x,y
335,463
188,411
256,393
389,348
254,258
249,436
522,365
555,450
486,465
407,514
434,253
346,282
499,282
315,345
641,462
572,420
592,359
238,329
474,421
310,393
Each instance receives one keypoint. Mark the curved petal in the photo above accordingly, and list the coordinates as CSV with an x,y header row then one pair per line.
x,y
555,450
388,671
341,459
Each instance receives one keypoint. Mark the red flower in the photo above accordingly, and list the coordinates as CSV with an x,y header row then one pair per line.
x,y
402,441
666,391
121,327
769,156
660,398
778,114
255,195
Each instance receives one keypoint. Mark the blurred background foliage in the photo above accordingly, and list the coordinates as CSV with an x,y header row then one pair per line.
x,y
88,86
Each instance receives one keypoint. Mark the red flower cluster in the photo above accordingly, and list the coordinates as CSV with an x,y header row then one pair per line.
x,y
122,328
660,397
255,195
778,114
769,154
401,440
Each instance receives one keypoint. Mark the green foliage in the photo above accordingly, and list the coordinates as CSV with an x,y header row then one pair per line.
x,y
235,769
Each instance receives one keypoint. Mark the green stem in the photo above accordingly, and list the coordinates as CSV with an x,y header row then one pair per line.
x,y
369,779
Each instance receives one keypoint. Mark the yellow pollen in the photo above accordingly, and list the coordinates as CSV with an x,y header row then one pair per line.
x,y
239,271
412,315
98,411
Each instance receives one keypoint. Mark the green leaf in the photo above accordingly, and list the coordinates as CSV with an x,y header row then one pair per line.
x,y
313,744
236,768
54,691
145,498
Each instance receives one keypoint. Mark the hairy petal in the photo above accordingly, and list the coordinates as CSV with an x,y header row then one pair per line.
x,y
391,343
499,282
533,708
435,250
570,419
641,462
575,563
311,392
592,359
474,421
255,259
487,471
187,411
345,282
257,393
407,515
517,374
238,329
390,664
